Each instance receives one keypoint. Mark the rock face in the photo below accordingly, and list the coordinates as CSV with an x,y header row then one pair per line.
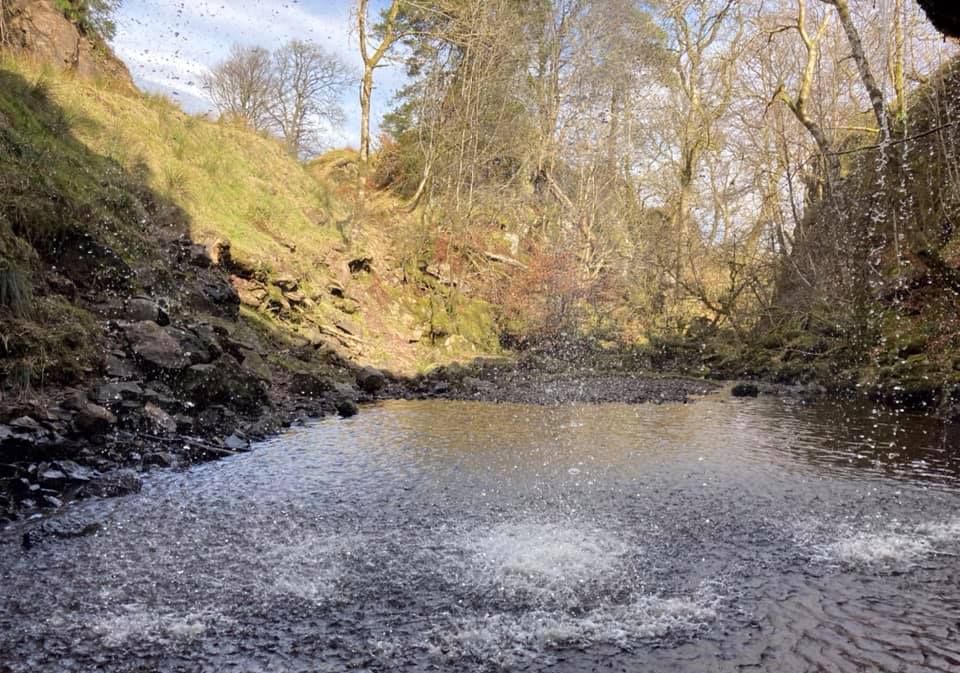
x,y
38,28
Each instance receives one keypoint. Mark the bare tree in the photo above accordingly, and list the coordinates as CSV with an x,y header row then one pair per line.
x,y
306,88
241,86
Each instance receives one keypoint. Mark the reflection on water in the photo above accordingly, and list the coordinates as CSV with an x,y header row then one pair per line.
x,y
722,535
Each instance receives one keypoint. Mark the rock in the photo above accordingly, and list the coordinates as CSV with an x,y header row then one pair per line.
x,y
112,393
310,385
236,443
216,421
143,308
296,297
160,459
254,363
346,391
159,420
745,390
59,528
216,295
165,348
51,502
119,368
371,380
184,423
223,382
113,484
92,419
347,408
200,256
251,293
52,478
286,282
76,474
25,424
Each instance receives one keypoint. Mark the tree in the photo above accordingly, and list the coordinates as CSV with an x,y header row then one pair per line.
x,y
371,59
242,85
294,92
307,84
93,17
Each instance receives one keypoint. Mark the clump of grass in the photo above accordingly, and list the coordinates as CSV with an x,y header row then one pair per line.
x,y
16,290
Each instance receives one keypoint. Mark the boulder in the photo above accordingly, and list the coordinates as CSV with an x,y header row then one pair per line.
x,y
745,390
165,348
142,308
371,380
251,293
310,385
347,408
113,484
112,393
216,295
223,382
92,419
159,420
216,421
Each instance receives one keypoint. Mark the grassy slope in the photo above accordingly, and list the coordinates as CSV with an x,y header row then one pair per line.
x,y
134,170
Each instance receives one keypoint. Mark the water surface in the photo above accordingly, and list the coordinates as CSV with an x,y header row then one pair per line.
x,y
718,536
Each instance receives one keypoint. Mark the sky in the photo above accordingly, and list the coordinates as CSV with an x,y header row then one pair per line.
x,y
168,44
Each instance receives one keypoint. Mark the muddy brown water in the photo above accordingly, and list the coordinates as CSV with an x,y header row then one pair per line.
x,y
718,536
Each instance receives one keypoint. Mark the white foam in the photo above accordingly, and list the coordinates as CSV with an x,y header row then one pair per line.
x,y
138,622
503,637
895,545
549,562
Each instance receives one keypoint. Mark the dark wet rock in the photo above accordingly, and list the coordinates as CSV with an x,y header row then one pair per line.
x,y
59,528
25,424
346,391
254,363
113,484
223,382
216,295
160,459
371,380
113,393
119,368
77,474
166,348
52,478
306,384
347,408
745,390
143,308
93,419
158,420
217,420
199,255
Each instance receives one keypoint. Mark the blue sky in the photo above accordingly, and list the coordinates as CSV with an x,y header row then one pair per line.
x,y
169,43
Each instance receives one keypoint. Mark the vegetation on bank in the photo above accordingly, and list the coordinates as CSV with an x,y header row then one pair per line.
x,y
96,185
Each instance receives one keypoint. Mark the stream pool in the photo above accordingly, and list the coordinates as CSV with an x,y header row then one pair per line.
x,y
719,536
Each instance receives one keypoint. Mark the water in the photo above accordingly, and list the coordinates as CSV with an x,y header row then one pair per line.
x,y
719,536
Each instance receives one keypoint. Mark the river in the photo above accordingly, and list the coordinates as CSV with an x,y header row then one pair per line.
x,y
719,536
